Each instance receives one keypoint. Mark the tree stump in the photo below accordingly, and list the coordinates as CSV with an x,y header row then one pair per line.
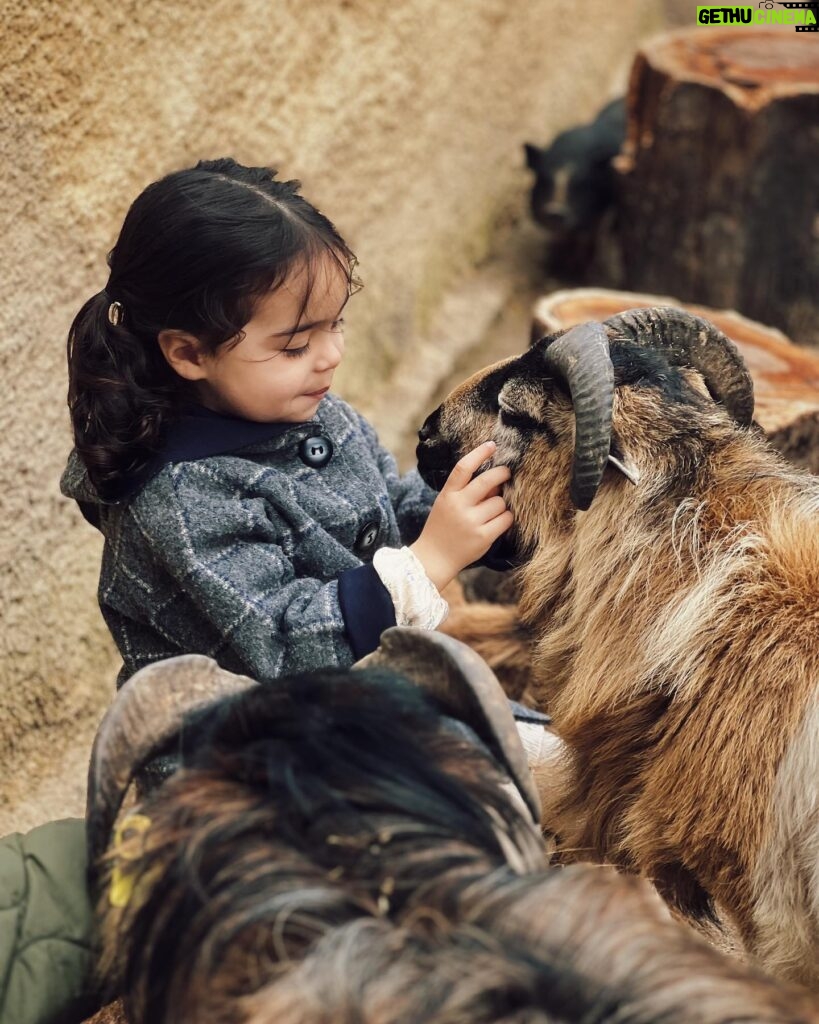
x,y
786,377
718,179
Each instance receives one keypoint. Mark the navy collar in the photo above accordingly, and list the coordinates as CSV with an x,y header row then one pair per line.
x,y
201,433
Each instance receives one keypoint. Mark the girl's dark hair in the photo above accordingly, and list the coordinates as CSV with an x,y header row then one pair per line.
x,y
196,252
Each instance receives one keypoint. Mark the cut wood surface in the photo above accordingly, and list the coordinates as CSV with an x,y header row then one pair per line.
x,y
718,179
786,376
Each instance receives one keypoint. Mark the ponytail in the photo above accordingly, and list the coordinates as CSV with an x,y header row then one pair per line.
x,y
117,409
196,252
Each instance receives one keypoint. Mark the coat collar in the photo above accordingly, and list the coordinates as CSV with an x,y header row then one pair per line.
x,y
201,433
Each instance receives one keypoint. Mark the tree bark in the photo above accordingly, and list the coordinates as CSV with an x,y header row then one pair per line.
x,y
718,179
786,377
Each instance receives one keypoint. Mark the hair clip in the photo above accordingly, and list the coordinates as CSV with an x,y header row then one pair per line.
x,y
126,870
116,314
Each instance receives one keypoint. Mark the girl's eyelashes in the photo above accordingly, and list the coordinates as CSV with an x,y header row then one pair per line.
x,y
294,353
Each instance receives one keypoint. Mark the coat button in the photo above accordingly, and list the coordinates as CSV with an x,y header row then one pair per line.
x,y
365,541
316,451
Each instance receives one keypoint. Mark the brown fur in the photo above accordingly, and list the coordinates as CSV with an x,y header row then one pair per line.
x,y
677,627
113,1013
508,651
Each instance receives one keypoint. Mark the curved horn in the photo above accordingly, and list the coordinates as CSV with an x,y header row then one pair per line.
x,y
466,687
581,358
688,340
146,715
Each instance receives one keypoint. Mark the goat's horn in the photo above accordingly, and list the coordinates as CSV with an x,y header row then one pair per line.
x,y
145,716
581,358
688,340
466,688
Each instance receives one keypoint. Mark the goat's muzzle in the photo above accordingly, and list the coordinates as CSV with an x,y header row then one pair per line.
x,y
436,456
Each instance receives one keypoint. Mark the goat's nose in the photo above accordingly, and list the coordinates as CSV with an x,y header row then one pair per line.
x,y
429,428
559,211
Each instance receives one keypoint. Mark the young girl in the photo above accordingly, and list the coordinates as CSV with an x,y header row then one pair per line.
x,y
248,513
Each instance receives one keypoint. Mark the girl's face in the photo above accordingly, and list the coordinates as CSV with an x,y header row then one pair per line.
x,y
284,365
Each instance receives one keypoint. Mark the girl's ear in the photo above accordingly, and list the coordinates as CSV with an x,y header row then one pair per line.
x,y
185,353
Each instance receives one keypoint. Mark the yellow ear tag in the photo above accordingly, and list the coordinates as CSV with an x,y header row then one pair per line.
x,y
123,876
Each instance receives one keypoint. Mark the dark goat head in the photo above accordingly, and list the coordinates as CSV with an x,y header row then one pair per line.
x,y
582,398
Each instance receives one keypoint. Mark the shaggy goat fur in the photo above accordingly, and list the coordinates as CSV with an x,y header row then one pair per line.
x,y
676,628
333,851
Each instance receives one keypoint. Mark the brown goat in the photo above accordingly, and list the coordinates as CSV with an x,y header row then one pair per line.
x,y
342,848
676,621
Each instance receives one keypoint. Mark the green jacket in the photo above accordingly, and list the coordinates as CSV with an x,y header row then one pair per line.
x,y
45,926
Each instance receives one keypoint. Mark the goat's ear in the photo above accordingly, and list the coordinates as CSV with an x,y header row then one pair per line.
x,y
532,404
532,156
523,402
466,688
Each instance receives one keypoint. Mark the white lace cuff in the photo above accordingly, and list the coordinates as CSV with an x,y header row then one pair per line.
x,y
414,595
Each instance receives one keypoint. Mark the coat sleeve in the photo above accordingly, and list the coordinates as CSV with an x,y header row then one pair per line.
x,y
410,497
46,958
235,565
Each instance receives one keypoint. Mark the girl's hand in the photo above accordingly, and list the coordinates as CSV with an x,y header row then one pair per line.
x,y
468,515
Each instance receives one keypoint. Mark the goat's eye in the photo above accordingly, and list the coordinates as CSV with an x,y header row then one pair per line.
x,y
518,420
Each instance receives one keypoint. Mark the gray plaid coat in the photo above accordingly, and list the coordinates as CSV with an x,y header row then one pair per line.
x,y
238,549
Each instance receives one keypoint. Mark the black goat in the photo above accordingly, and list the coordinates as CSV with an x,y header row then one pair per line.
x,y
574,190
